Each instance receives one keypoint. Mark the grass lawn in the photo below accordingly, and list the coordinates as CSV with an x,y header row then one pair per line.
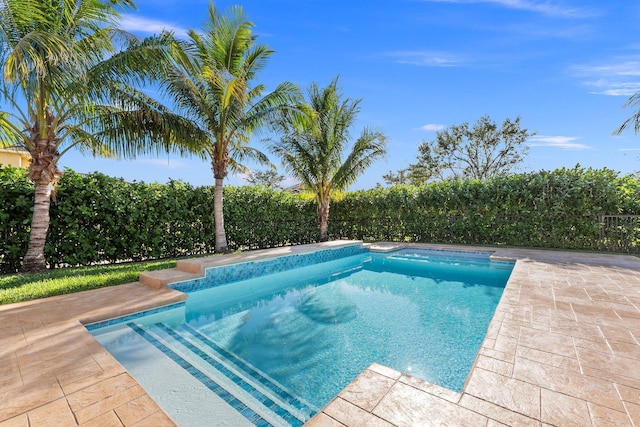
x,y
24,287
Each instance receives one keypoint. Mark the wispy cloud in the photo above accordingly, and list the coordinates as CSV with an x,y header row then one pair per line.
x,y
618,77
626,68
425,58
562,142
534,31
167,163
543,7
629,149
145,25
432,127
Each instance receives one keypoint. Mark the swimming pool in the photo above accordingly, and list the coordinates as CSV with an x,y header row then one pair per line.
x,y
270,343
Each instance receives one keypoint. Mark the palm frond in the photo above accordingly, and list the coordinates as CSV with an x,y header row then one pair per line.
x,y
299,158
269,109
87,143
133,124
316,136
12,131
142,62
369,147
217,91
634,120
242,153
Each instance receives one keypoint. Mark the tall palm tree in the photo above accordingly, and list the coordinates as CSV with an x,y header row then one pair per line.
x,y
70,78
217,93
317,136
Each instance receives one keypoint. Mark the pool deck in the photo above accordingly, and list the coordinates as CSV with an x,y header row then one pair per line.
x,y
562,349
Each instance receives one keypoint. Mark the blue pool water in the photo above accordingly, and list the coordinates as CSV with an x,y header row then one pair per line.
x,y
279,346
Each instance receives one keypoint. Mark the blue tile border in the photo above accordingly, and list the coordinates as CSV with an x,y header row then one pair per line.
x,y
198,374
123,319
216,276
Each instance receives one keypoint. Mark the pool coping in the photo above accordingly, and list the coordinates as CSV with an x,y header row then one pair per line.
x,y
563,348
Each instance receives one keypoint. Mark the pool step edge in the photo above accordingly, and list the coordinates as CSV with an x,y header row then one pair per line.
x,y
277,390
238,396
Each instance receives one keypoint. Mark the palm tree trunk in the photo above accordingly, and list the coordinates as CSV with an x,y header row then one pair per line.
x,y
44,173
218,216
323,219
34,259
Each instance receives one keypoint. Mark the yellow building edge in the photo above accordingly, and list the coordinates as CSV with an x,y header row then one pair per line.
x,y
16,157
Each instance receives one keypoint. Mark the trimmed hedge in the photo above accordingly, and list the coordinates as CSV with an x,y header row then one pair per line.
x,y
16,194
557,209
259,217
96,218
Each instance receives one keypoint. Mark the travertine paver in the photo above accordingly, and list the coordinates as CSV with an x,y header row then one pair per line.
x,y
54,373
562,349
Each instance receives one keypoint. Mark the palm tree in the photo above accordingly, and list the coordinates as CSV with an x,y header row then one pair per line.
x,y
69,79
315,138
216,92
633,101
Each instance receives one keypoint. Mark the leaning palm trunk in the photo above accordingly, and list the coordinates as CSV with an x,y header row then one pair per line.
x,y
71,78
323,219
44,173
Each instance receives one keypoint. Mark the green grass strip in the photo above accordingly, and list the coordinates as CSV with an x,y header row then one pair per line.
x,y
25,287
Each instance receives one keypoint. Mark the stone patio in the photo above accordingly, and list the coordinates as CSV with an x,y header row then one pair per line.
x,y
562,349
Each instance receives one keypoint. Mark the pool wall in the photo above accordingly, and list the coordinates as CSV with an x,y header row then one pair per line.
x,y
128,318
247,270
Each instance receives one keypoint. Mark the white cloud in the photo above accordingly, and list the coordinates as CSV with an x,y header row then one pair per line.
x,y
629,149
542,7
145,25
533,30
619,77
619,91
432,127
562,142
625,68
426,58
167,163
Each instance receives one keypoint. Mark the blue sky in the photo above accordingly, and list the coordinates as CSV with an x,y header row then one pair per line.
x,y
565,67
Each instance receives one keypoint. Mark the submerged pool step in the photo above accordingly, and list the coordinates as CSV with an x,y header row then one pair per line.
x,y
244,405
246,398
250,372
241,372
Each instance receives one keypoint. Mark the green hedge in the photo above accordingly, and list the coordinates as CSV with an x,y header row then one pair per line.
x,y
258,217
557,209
96,218
16,196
